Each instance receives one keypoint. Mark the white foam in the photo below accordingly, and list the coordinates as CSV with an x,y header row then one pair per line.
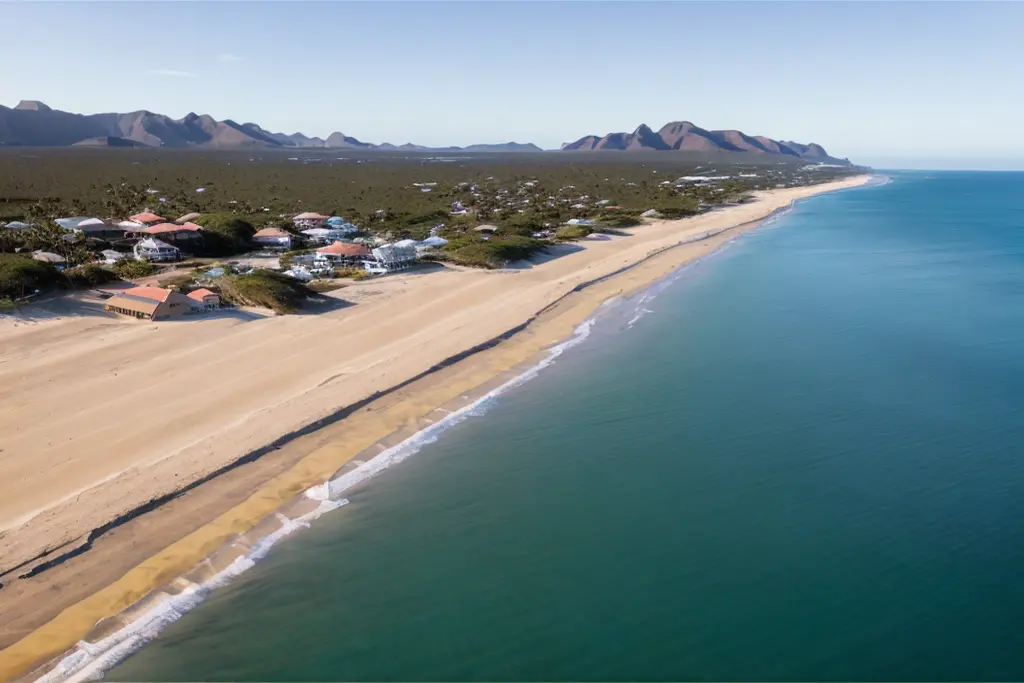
x,y
88,661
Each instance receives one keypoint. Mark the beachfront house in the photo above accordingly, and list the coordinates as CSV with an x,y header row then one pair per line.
x,y
111,256
148,303
204,300
273,237
152,249
309,219
395,256
343,252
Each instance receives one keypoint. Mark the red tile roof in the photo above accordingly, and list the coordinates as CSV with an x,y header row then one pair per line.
x,y
344,249
311,215
200,294
163,228
272,232
154,293
147,217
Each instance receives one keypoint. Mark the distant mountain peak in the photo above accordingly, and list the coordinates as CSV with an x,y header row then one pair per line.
x,y
32,105
685,136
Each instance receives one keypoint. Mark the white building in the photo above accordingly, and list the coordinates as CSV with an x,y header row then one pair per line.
x,y
273,237
152,249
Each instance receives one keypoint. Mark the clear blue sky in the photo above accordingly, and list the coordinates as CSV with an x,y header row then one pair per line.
x,y
920,84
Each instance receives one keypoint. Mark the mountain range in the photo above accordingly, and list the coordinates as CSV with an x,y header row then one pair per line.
x,y
686,137
32,123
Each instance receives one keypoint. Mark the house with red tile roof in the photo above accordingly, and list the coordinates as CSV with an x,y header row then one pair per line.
x,y
204,299
147,218
148,303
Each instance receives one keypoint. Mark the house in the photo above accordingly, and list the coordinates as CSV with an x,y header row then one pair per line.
x,y
309,220
182,235
18,225
49,257
339,224
343,252
204,299
110,256
329,234
152,249
148,303
395,256
273,237
94,227
147,218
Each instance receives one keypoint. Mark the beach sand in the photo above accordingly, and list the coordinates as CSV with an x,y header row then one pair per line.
x,y
102,416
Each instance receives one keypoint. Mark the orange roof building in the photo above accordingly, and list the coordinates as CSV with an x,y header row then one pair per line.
x,y
148,303
147,218
344,250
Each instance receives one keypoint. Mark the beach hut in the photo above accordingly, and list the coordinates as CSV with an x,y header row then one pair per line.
x,y
343,252
148,303
152,249
204,300
273,237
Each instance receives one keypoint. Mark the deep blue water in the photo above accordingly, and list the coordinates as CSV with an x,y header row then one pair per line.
x,y
804,463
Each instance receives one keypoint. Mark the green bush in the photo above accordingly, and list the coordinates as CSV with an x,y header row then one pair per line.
x,y
569,233
265,288
90,275
621,221
225,234
492,253
352,273
21,275
130,269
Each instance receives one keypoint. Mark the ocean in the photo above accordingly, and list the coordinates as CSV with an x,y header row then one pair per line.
x,y
799,458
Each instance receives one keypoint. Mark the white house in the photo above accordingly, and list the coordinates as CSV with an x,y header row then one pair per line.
x,y
395,256
152,249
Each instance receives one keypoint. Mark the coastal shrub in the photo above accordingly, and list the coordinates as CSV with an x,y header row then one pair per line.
x,y
7,305
623,221
352,273
471,250
324,286
225,234
21,275
178,283
130,269
90,275
569,233
265,288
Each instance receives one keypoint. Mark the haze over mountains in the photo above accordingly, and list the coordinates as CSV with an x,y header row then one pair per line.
x,y
687,137
33,123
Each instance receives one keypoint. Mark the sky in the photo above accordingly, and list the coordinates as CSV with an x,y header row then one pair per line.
x,y
889,84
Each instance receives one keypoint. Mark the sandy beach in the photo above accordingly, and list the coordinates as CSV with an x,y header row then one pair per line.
x,y
220,422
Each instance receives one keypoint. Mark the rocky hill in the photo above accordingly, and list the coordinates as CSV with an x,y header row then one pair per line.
x,y
687,137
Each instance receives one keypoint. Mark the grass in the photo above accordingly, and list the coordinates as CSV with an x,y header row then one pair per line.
x,y
266,289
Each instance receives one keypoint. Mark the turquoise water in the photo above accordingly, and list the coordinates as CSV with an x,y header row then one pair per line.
x,y
805,462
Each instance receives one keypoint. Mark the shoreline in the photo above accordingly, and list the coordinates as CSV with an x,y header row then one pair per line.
x,y
175,579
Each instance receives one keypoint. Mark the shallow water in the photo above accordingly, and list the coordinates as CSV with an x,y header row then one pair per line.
x,y
800,460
